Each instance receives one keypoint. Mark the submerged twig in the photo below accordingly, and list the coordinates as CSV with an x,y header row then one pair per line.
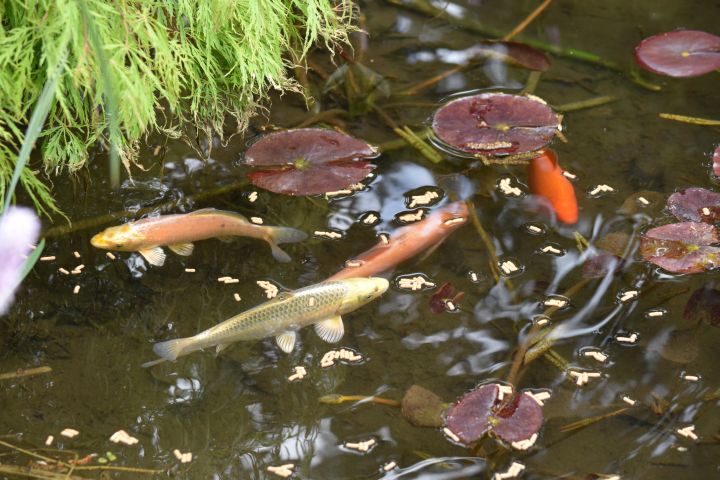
x,y
589,421
583,104
337,399
708,122
523,25
25,372
494,269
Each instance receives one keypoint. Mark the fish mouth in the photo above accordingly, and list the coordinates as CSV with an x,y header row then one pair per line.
x,y
98,241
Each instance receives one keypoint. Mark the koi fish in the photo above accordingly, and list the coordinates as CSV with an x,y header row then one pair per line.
x,y
321,304
407,242
177,232
546,180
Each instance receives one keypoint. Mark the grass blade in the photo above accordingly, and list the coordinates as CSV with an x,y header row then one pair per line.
x,y
111,110
37,121
32,260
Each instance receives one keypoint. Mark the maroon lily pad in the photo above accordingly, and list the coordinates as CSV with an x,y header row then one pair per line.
x,y
695,205
514,53
680,53
682,247
716,161
439,301
495,124
481,411
703,306
308,161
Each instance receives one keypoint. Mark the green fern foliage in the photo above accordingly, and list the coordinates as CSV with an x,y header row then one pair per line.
x,y
169,63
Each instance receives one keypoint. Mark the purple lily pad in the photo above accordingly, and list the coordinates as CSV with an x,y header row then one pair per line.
x,y
308,161
695,205
481,411
680,53
446,293
703,306
495,124
716,161
682,247
514,53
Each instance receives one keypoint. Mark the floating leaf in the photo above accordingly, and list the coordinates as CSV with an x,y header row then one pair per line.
x,y
703,306
680,53
695,205
614,242
682,247
446,293
481,411
681,346
641,201
716,161
601,265
495,124
513,53
308,161
422,408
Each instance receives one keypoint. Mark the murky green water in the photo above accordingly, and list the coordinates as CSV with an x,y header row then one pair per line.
x,y
238,414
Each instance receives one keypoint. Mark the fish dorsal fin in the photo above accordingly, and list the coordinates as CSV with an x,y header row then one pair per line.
x,y
286,341
154,255
215,211
282,296
184,249
331,330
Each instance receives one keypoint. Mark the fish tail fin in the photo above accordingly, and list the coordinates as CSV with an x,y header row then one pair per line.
x,y
283,235
287,235
172,349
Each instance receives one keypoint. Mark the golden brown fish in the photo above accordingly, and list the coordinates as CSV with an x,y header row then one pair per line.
x,y
177,232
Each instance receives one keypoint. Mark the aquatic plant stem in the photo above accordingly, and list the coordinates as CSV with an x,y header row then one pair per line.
x,y
707,122
25,372
427,8
532,337
584,104
532,82
337,399
494,269
585,422
527,21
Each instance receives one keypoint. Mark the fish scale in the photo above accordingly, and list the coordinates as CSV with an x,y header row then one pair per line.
x,y
322,304
290,313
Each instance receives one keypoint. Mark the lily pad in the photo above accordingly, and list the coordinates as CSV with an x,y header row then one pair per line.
x,y
681,346
446,293
308,161
495,124
514,53
716,161
680,53
695,205
481,411
422,408
703,306
682,247
601,265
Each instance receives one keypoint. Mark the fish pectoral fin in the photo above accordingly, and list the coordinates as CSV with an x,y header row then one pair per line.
x,y
184,249
331,330
221,347
155,256
286,341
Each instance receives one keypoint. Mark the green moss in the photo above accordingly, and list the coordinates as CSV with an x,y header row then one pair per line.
x,y
169,64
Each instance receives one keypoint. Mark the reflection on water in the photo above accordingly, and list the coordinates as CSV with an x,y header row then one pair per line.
x,y
238,413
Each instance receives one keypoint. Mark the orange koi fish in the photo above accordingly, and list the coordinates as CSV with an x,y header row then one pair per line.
x,y
407,242
546,180
177,232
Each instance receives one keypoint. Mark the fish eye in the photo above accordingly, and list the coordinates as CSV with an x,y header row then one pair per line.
x,y
118,245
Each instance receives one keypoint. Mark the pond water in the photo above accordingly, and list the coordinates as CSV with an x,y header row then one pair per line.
x,y
238,414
